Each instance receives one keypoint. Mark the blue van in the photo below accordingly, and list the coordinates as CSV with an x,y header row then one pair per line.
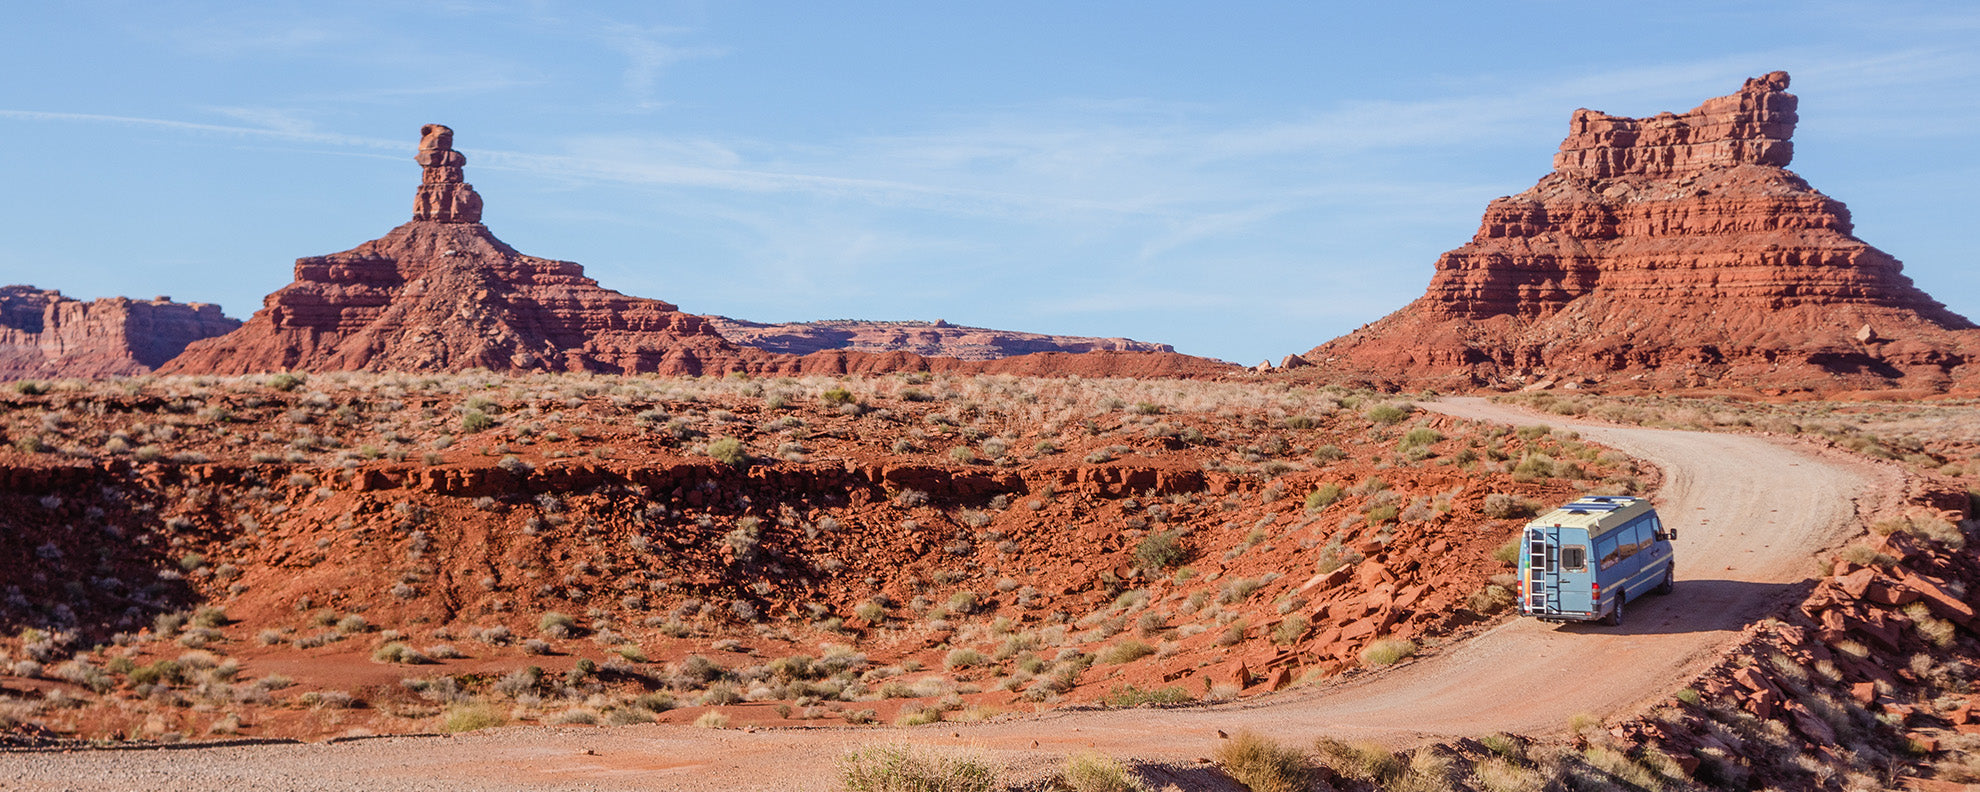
x,y
1582,561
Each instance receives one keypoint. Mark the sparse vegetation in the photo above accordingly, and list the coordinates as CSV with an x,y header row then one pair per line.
x,y
899,768
1262,764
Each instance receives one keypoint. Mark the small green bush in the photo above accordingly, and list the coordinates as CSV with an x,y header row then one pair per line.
x,y
1323,497
287,381
1387,414
1131,696
556,625
1158,551
399,652
1508,552
1419,437
1290,630
1262,765
472,717
728,451
1387,652
836,397
473,421
1126,651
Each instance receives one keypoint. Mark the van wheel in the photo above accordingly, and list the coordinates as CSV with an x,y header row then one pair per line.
x,y
1670,581
1615,617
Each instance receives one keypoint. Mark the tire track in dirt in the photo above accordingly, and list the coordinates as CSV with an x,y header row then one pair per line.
x,y
1750,513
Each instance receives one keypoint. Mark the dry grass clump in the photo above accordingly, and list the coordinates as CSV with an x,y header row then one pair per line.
x,y
1088,771
1263,765
899,768
1387,652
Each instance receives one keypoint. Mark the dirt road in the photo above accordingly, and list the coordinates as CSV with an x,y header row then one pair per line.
x,y
1750,513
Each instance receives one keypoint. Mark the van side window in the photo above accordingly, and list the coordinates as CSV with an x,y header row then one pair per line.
x,y
1606,548
1632,538
1574,558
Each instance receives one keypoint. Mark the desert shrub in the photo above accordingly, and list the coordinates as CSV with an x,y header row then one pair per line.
x,y
728,451
1533,467
1131,696
399,652
912,715
556,625
1091,772
472,717
1158,551
1262,764
1490,599
1508,552
574,716
1289,630
1419,437
1361,761
964,658
899,768
836,397
1381,513
287,381
1323,496
1387,652
1499,506
1387,414
473,421
1126,651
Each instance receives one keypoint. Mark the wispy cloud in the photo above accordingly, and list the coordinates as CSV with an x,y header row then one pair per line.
x,y
649,53
287,131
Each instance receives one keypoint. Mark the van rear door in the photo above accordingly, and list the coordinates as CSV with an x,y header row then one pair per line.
x,y
1560,574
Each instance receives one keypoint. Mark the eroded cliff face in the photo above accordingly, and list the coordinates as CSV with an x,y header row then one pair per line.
x,y
1671,251
46,335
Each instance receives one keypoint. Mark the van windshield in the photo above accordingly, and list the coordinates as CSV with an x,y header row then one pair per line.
x,y
1574,557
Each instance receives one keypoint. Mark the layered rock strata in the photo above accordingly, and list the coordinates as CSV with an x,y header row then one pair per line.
x,y
441,293
928,339
44,334
1675,250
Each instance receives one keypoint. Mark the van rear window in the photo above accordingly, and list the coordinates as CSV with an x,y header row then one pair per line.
x,y
1574,557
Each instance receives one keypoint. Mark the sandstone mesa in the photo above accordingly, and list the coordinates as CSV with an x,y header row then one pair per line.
x,y
45,334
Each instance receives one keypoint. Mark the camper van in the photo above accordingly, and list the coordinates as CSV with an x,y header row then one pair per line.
x,y
1583,561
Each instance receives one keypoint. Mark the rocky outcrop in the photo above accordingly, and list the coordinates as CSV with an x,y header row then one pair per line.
x,y
44,334
928,339
1675,250
444,195
441,293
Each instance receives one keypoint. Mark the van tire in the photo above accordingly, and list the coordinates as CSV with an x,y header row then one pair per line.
x,y
1670,580
1615,617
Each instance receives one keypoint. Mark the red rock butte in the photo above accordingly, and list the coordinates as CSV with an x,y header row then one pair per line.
x,y
441,293
1670,251
44,334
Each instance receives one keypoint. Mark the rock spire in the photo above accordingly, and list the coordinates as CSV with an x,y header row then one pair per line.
x,y
444,195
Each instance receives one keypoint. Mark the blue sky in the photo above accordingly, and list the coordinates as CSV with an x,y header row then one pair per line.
x,y
1240,180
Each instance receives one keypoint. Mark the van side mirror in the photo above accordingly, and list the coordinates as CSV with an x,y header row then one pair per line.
x,y
1667,535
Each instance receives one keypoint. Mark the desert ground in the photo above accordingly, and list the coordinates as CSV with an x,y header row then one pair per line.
x,y
1752,512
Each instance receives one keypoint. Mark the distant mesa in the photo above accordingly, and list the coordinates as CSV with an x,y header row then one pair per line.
x,y
46,335
928,339
1670,251
441,293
